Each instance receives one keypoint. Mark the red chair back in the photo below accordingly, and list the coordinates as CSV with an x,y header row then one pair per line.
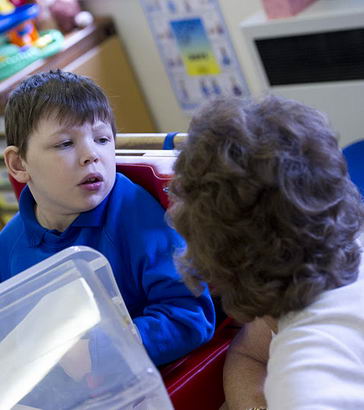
x,y
152,173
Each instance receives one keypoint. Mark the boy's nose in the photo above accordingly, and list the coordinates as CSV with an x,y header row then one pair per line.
x,y
88,156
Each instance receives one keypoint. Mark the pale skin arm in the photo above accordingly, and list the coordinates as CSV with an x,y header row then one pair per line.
x,y
245,367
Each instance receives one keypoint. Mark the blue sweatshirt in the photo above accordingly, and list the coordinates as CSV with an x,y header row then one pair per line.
x,y
129,229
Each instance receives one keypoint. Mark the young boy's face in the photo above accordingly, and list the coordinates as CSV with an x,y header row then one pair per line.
x,y
70,169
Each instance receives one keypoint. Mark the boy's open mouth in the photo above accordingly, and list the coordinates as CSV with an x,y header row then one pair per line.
x,y
91,179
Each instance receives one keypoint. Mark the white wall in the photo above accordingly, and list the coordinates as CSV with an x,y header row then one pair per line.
x,y
135,33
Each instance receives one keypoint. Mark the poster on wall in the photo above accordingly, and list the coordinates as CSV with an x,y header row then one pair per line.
x,y
196,50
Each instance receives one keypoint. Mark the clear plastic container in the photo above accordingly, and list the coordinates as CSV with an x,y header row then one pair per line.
x,y
67,340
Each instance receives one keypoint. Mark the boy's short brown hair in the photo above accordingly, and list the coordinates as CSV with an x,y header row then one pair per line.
x,y
72,98
262,196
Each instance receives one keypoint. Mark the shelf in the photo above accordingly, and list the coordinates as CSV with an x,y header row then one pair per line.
x,y
75,45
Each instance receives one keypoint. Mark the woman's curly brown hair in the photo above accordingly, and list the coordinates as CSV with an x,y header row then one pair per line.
x,y
262,196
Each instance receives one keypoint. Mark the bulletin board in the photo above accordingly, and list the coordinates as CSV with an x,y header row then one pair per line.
x,y
196,50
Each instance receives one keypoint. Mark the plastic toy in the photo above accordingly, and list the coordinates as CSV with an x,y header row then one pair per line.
x,y
14,58
25,34
18,3
18,16
6,7
21,44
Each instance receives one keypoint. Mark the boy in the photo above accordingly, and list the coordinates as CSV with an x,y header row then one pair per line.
x,y
60,133
262,195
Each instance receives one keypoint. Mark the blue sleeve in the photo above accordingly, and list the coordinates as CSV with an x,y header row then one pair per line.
x,y
170,319
174,321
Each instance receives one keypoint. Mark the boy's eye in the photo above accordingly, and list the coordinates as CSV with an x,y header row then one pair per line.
x,y
103,139
64,144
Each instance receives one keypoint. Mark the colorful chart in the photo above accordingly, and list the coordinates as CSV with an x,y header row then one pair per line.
x,y
196,50
195,47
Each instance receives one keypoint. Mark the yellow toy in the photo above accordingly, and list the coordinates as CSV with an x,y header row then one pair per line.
x,y
6,7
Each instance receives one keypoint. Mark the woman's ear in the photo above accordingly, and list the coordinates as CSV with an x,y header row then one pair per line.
x,y
15,164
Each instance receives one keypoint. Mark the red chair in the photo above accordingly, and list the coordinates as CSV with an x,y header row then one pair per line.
x,y
193,382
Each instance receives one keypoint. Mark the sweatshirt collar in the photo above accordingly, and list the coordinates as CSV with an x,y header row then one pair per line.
x,y
36,233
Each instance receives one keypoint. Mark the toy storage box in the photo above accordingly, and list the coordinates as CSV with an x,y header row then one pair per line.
x,y
67,340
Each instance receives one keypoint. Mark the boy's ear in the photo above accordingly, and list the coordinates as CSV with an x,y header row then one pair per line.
x,y
15,164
